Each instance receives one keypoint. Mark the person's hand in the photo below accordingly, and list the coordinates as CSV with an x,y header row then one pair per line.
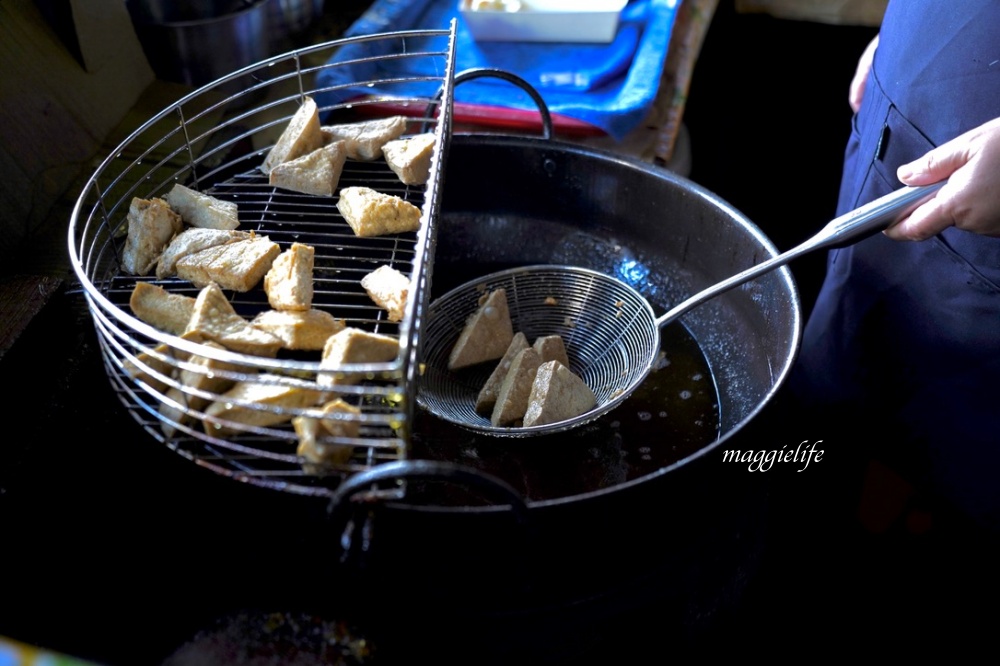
x,y
857,89
970,200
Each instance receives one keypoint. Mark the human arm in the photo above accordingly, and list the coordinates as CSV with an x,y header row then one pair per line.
x,y
970,200
856,91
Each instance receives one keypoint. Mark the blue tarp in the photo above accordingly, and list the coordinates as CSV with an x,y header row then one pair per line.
x,y
611,86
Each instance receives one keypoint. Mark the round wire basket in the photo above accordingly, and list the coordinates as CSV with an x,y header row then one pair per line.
x,y
214,142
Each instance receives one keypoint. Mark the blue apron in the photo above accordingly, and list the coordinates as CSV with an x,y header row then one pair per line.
x,y
903,334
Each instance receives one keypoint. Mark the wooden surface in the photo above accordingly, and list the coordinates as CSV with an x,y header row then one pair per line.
x,y
21,298
54,109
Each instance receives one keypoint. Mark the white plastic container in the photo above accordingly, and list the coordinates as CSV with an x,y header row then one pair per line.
x,y
580,21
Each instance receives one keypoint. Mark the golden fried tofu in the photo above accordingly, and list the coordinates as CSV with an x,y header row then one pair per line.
x,y
203,210
551,348
315,448
388,288
487,397
364,140
316,173
258,403
373,213
301,136
410,158
289,281
161,309
340,418
201,376
299,330
353,345
238,266
215,319
512,400
151,225
191,240
164,360
487,333
557,394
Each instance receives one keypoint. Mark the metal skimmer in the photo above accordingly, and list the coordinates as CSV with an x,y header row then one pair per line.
x,y
611,333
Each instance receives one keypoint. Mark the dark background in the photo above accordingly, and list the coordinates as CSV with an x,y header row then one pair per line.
x,y
768,118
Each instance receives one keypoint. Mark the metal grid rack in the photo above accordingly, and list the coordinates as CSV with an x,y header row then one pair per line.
x,y
213,141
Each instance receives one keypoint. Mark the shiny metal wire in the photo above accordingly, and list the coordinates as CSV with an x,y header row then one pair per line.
x,y
214,142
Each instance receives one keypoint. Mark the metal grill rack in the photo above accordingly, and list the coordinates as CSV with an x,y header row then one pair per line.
x,y
214,141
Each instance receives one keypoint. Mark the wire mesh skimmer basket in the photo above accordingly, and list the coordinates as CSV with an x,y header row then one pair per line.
x,y
605,327
215,142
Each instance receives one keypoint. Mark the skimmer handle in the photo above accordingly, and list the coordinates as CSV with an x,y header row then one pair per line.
x,y
872,217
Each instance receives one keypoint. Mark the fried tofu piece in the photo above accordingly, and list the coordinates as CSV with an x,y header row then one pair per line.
x,y
364,140
340,418
389,289
315,449
289,281
551,348
191,240
164,360
214,318
314,434
557,394
512,400
354,345
373,213
238,266
487,333
201,210
161,309
299,330
258,403
202,377
151,225
487,397
410,158
315,173
203,374
301,136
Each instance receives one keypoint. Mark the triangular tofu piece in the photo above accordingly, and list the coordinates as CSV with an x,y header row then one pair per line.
x,y
551,348
238,266
512,401
300,137
487,397
316,173
191,240
288,283
158,307
410,158
201,210
364,139
151,225
388,288
373,213
214,318
557,394
487,333
299,330
247,403
353,345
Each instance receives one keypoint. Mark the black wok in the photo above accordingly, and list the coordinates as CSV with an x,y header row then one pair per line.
x,y
636,512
